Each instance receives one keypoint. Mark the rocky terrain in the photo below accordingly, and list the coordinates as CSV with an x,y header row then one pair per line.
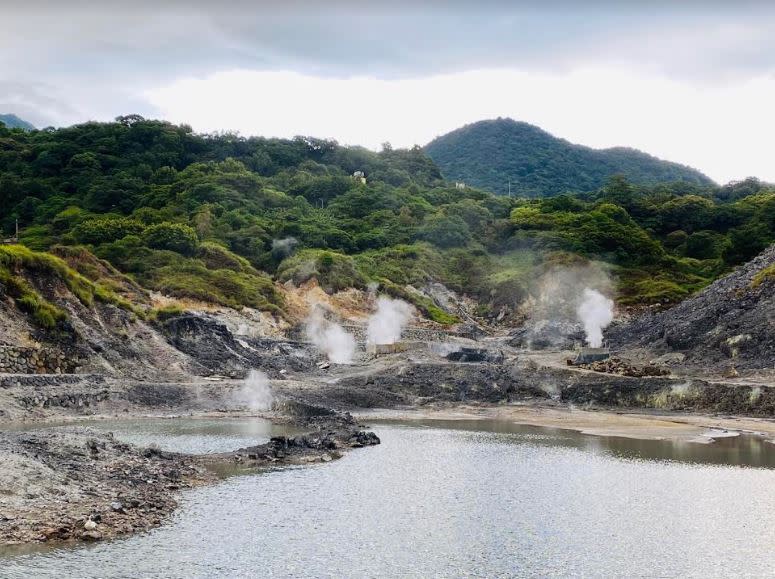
x,y
728,328
72,483
76,483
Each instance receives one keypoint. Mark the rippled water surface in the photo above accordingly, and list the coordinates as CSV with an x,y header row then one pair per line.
x,y
465,499
194,435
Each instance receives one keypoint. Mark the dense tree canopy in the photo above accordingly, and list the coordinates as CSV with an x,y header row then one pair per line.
x,y
218,216
492,154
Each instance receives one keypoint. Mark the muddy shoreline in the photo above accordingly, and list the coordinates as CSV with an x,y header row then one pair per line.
x,y
78,484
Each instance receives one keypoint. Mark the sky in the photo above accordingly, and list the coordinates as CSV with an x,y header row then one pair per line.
x,y
688,81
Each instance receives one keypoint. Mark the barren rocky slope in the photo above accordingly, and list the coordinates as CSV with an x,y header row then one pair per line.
x,y
728,327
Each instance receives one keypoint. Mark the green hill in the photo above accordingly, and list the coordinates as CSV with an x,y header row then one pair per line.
x,y
11,121
223,218
489,154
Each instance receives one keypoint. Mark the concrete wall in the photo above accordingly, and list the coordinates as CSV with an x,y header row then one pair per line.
x,y
383,349
358,331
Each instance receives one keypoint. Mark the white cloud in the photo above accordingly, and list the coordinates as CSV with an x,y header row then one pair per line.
x,y
722,130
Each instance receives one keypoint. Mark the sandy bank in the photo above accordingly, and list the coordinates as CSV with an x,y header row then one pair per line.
x,y
686,427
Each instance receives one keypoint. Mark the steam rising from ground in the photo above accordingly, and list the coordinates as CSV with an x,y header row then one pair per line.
x,y
255,392
595,311
388,322
282,248
553,306
330,338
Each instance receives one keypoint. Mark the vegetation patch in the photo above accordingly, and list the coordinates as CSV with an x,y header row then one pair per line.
x,y
212,217
767,275
17,260
191,279
165,313
333,271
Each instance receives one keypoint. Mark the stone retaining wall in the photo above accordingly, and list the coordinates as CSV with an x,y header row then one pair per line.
x,y
20,360
43,380
75,391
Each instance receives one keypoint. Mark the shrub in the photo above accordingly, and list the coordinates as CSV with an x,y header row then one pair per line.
x,y
216,256
106,229
334,271
171,236
704,245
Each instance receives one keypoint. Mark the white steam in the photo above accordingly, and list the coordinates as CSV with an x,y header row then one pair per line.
x,y
255,392
551,309
330,338
388,322
595,311
282,248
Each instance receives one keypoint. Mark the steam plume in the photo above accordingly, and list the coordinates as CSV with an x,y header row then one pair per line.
x,y
387,323
330,338
255,392
595,311
282,248
552,306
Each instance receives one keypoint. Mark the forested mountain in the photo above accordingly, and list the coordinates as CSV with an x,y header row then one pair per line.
x,y
489,154
11,121
222,218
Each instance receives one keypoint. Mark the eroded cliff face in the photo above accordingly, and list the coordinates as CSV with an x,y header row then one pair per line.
x,y
128,338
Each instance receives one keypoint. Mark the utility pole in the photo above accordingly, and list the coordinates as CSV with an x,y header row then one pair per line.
x,y
509,187
17,229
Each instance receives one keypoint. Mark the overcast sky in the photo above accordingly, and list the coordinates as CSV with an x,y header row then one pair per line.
x,y
689,81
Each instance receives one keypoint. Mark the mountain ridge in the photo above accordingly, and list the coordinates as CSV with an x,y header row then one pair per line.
x,y
11,121
490,153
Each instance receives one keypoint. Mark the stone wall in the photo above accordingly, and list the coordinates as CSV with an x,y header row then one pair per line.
x,y
50,380
74,391
20,360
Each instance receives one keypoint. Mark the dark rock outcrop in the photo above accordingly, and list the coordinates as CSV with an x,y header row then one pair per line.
x,y
729,323
218,351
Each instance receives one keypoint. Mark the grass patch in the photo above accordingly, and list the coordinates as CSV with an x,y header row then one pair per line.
x,y
642,287
18,257
191,279
216,256
165,313
27,299
764,276
15,260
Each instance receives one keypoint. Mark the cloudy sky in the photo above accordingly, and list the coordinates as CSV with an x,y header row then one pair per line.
x,y
689,81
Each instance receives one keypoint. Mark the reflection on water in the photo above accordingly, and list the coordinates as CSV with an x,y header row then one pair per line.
x,y
195,435
744,450
181,434
496,500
